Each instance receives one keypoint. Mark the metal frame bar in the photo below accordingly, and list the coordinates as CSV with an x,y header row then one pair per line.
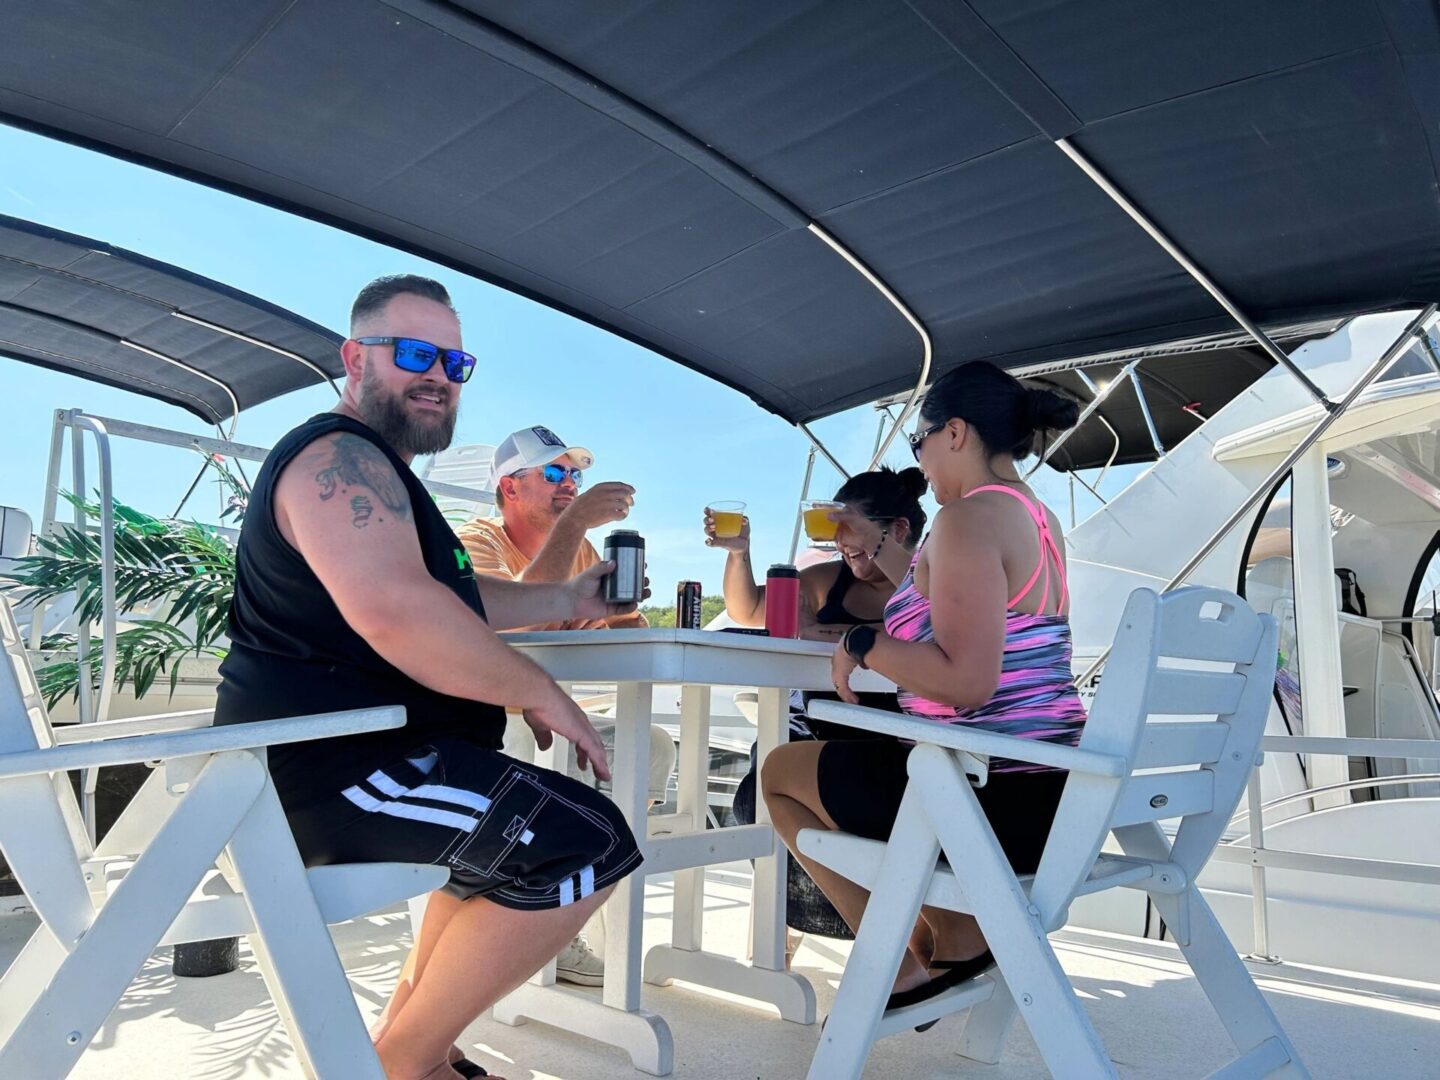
x,y
1174,251
1083,483
799,507
1114,446
234,402
1338,865
47,512
824,450
1416,327
1430,353
237,335
95,710
1348,785
1099,399
927,346
880,428
1145,412
1417,667
128,429
1260,857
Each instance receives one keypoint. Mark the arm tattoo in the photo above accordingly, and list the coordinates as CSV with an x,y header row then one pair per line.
x,y
360,464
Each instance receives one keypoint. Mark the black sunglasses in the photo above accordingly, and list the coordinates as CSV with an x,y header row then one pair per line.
x,y
412,354
917,439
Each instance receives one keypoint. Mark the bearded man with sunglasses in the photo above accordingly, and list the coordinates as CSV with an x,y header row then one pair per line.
x,y
540,537
352,591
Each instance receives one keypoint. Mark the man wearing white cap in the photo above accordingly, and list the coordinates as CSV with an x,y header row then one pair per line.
x,y
540,537
544,517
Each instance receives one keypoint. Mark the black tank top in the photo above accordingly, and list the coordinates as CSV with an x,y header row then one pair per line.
x,y
833,611
292,652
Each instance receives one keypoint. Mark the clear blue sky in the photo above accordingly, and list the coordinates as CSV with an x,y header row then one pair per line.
x,y
680,438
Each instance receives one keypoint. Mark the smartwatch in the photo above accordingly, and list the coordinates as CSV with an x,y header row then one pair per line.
x,y
858,641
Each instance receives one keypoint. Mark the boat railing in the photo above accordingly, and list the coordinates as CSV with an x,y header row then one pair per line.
x,y
1365,782
1252,849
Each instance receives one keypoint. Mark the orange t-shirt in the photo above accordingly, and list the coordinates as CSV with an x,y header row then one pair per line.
x,y
493,552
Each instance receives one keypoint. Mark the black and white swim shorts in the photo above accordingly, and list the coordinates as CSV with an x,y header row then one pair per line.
x,y
516,834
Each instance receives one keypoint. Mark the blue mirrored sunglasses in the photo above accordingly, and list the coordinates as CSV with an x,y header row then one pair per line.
x,y
556,474
412,354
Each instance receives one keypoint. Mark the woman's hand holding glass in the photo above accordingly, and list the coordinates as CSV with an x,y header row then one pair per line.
x,y
728,543
854,529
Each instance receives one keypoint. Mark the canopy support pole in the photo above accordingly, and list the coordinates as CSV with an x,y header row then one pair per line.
x,y
824,450
1114,435
1085,413
927,347
1417,328
799,508
1145,412
1173,250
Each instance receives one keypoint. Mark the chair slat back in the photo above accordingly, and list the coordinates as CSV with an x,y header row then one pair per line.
x,y
1183,742
1166,663
1185,692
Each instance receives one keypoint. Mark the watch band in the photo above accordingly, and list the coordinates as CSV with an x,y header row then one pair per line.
x,y
858,641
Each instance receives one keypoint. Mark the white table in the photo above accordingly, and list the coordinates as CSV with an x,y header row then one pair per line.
x,y
635,661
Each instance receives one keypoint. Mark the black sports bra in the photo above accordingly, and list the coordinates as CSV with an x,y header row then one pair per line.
x,y
833,611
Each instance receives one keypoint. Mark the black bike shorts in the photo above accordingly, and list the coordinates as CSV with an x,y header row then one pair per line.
x,y
516,834
861,785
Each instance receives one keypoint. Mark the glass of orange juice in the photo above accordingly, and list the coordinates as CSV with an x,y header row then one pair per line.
x,y
729,518
818,526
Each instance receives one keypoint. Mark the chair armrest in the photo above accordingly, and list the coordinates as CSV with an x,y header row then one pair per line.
x,y
210,740
962,737
71,734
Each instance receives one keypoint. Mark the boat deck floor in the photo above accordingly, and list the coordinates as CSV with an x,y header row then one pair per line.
x,y
1148,1010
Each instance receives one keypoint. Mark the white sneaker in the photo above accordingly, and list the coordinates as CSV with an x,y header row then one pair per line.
x,y
580,964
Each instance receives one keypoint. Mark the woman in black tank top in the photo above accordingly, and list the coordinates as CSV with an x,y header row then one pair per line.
x,y
844,592
834,596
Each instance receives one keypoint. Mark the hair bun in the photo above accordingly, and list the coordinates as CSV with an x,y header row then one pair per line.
x,y
1049,411
913,482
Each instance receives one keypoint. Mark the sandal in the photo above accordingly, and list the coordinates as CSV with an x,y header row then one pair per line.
x,y
952,973
468,1069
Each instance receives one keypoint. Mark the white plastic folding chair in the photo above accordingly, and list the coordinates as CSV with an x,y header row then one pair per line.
x,y
1173,735
203,851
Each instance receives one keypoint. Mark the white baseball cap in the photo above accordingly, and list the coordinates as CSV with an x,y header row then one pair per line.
x,y
532,446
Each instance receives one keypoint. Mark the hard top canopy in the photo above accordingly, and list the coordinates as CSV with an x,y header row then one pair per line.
x,y
653,167
114,317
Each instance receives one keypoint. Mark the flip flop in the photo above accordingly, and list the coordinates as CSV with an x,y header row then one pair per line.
x,y
468,1069
952,973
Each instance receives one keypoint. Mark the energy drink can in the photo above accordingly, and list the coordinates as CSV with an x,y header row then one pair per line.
x,y
687,605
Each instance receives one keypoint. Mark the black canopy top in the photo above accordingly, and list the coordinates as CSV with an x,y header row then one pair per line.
x,y
114,317
652,167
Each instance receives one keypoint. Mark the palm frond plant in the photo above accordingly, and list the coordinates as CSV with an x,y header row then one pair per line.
x,y
183,570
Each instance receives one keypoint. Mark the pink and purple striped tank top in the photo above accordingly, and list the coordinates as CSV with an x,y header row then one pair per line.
x,y
1036,697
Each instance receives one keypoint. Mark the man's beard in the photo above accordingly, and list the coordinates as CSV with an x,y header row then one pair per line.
x,y
386,415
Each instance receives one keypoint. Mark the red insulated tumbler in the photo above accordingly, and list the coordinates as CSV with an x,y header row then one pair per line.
x,y
782,601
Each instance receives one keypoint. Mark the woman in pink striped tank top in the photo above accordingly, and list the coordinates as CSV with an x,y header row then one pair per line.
x,y
976,633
